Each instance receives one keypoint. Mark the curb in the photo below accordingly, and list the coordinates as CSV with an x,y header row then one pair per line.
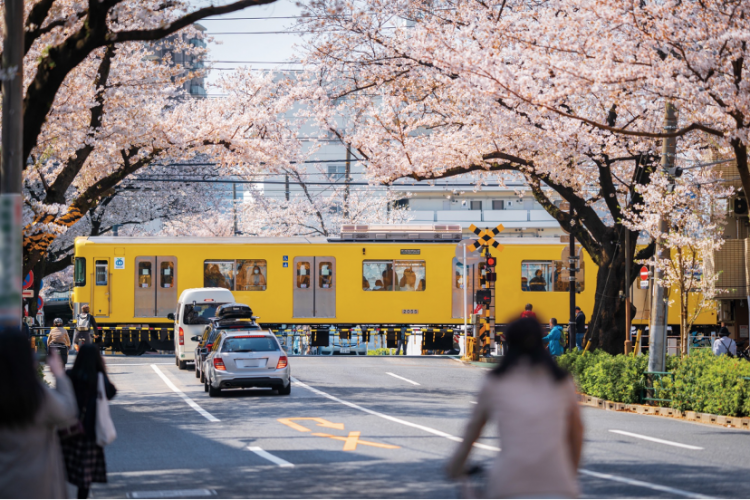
x,y
663,411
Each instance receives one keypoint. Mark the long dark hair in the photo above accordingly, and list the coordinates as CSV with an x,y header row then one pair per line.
x,y
20,387
524,338
88,364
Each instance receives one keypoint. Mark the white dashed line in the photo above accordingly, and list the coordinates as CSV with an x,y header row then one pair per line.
x,y
189,401
172,493
402,378
656,440
643,484
271,458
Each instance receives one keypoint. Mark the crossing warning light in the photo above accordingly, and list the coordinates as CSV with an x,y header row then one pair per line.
x,y
491,261
484,297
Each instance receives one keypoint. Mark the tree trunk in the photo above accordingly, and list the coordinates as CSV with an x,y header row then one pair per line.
x,y
607,320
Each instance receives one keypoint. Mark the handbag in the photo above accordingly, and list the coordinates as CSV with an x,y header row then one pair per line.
x,y
105,428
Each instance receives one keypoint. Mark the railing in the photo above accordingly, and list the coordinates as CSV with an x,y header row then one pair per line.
x,y
652,393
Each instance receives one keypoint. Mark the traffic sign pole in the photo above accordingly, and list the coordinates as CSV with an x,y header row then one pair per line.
x,y
487,279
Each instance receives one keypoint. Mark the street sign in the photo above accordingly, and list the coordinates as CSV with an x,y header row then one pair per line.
x,y
644,273
486,237
29,281
644,285
28,294
39,303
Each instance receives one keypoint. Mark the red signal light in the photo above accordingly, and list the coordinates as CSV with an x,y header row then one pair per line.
x,y
491,261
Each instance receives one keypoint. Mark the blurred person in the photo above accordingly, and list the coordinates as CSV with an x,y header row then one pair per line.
x,y
84,459
59,340
580,327
31,464
528,312
724,345
86,328
401,344
532,401
554,338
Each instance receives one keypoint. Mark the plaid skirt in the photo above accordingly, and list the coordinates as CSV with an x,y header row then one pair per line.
x,y
84,461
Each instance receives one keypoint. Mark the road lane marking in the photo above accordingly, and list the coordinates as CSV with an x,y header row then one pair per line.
x,y
474,402
172,493
352,440
643,484
656,440
321,423
634,482
402,378
110,365
184,396
271,458
393,419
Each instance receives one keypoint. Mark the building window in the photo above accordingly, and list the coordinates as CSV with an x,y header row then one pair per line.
x,y
394,275
336,173
498,205
475,205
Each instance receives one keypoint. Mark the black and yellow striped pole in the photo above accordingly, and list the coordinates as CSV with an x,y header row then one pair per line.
x,y
485,294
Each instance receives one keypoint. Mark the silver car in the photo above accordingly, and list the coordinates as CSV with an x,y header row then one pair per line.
x,y
240,359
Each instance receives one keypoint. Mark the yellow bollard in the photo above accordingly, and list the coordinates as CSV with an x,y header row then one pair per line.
x,y
588,344
637,343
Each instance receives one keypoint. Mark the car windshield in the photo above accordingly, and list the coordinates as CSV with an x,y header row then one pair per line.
x,y
199,314
250,344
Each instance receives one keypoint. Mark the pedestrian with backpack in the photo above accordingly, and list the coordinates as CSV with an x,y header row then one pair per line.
x,y
724,344
86,328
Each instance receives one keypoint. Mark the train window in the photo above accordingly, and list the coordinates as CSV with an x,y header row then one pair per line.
x,y
325,275
545,276
218,274
377,275
410,275
144,275
101,272
80,272
251,275
167,274
303,275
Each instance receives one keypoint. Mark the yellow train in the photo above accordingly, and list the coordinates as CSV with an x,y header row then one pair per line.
x,y
376,276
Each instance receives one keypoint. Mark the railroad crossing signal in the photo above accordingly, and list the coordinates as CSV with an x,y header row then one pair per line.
x,y
486,237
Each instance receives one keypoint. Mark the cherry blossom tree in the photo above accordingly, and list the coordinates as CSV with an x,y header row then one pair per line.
x,y
692,206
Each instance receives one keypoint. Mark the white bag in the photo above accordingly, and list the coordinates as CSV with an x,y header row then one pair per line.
x,y
105,428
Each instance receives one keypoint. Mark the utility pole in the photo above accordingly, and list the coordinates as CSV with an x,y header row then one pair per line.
x,y
286,187
347,180
628,283
572,269
11,169
657,340
234,206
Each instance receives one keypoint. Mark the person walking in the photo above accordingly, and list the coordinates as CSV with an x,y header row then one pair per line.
x,y
31,464
528,312
532,401
59,340
580,327
724,345
401,344
554,338
84,459
86,328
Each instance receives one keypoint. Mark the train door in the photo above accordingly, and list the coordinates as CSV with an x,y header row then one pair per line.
x,y
166,291
155,286
459,288
101,294
314,287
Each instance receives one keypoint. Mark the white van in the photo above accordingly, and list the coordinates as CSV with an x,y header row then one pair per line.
x,y
194,308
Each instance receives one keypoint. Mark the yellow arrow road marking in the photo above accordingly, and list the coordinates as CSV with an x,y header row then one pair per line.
x,y
321,423
352,440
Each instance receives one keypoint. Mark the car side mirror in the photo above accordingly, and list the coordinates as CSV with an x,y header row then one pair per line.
x,y
170,316
195,338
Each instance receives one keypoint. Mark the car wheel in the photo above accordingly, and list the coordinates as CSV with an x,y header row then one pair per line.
x,y
205,385
182,365
177,361
285,391
197,373
203,376
213,392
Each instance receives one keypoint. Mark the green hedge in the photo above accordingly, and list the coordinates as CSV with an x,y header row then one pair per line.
x,y
702,382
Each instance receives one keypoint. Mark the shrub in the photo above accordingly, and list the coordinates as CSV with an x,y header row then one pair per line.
x,y
702,382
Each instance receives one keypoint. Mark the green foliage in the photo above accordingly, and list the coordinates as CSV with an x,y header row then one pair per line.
x,y
702,382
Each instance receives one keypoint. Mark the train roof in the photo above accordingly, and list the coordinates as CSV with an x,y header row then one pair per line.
x,y
251,240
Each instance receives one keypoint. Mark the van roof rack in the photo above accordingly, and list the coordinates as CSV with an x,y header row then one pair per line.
x,y
234,311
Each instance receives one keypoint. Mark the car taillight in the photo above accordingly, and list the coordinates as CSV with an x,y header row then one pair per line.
x,y
182,336
219,364
282,362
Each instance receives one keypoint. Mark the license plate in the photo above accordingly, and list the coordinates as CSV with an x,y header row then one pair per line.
x,y
251,363
345,350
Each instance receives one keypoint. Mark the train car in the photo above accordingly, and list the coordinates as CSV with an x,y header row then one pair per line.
x,y
376,276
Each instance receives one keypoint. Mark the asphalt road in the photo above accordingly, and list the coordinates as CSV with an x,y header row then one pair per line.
x,y
373,427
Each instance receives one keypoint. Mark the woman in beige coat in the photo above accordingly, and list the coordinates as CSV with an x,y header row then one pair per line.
x,y
532,402
31,464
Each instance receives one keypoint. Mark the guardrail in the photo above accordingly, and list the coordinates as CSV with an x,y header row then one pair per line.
x,y
651,393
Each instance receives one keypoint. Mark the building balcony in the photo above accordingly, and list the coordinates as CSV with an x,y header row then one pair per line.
x,y
508,218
